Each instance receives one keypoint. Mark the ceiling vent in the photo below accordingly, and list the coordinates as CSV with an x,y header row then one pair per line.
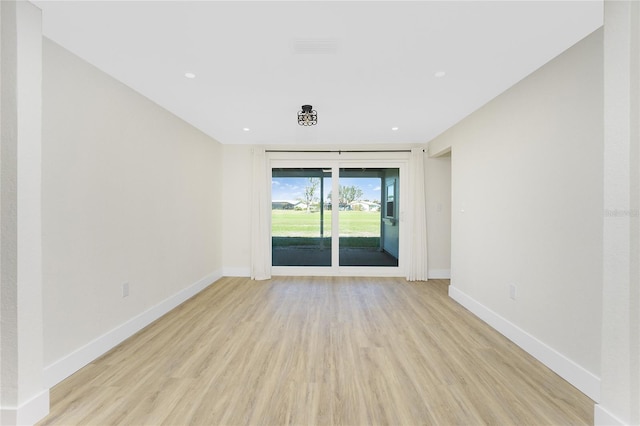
x,y
315,46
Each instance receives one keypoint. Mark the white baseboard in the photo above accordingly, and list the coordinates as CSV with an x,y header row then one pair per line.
x,y
585,381
236,272
439,274
602,417
64,367
434,274
28,413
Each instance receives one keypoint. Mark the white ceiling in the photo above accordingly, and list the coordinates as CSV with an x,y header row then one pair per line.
x,y
365,66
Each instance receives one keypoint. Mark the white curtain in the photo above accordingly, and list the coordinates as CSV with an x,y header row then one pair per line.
x,y
260,218
417,266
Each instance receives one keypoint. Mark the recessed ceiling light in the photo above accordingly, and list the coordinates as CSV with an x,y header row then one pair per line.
x,y
394,128
189,75
246,129
440,74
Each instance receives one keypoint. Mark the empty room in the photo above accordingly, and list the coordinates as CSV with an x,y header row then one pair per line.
x,y
320,212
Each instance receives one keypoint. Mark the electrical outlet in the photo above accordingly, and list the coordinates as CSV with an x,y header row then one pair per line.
x,y
125,289
512,291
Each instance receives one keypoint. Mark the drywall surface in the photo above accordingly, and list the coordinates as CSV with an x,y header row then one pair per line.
x,y
390,230
131,196
24,398
438,189
236,215
527,187
620,401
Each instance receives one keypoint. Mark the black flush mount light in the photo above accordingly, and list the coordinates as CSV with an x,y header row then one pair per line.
x,y
307,116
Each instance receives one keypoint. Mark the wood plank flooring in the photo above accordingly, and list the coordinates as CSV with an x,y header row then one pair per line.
x,y
321,350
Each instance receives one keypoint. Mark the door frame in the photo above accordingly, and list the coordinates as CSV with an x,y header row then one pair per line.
x,y
336,161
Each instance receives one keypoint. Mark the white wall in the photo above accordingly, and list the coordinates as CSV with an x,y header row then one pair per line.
x,y
438,189
527,187
391,232
24,397
236,216
620,401
131,194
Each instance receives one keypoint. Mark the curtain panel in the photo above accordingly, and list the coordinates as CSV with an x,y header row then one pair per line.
x,y
417,265
260,217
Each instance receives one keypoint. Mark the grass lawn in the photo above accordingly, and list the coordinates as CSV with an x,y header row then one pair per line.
x,y
291,223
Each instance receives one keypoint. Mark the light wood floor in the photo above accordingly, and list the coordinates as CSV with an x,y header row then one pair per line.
x,y
350,351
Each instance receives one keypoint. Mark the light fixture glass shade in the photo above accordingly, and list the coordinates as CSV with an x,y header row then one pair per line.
x,y
307,116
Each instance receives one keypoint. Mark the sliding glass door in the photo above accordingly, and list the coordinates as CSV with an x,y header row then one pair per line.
x,y
368,231
300,217
335,217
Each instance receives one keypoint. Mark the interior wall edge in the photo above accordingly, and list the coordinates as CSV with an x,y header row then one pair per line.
x,y
434,151
603,417
29,412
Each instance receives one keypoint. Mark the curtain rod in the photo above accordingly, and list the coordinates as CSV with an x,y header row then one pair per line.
x,y
340,151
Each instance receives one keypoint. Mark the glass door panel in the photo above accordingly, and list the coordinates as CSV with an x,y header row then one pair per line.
x,y
368,216
301,217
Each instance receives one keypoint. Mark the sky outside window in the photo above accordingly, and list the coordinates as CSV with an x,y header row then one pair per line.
x,y
292,188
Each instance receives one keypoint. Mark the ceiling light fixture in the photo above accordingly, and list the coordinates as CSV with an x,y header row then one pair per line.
x,y
394,128
189,75
440,74
307,116
246,129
